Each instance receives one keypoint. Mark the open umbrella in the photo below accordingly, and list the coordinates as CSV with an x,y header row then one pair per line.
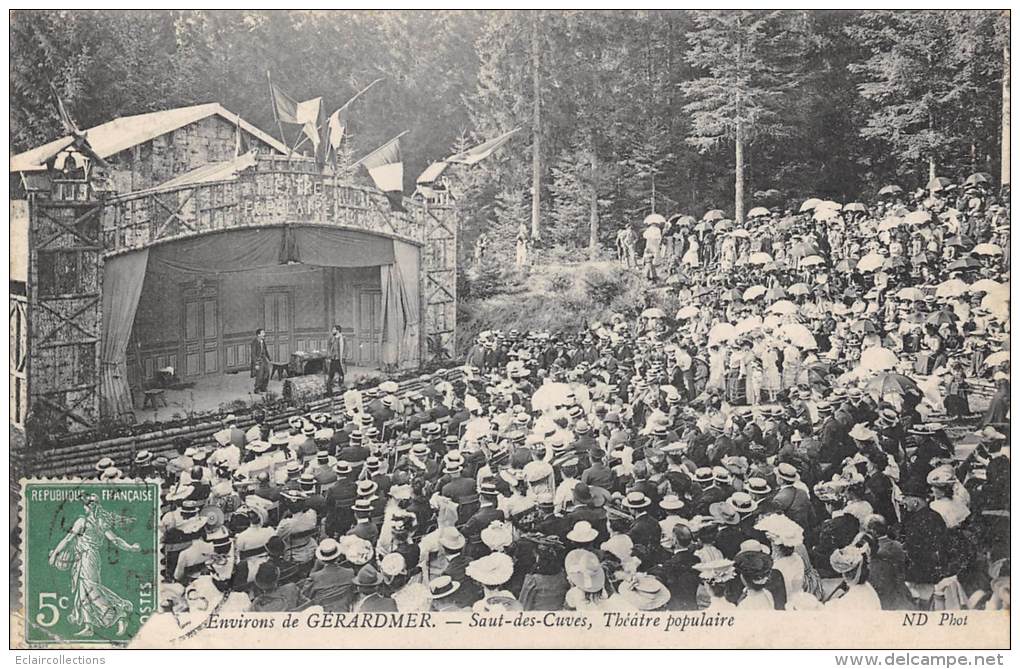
x,y
799,289
959,241
863,326
775,293
782,307
704,226
856,206
754,292
878,359
988,286
653,312
811,261
771,321
942,317
551,395
748,324
723,225
894,262
987,250
938,184
978,178
912,293
685,221
951,288
870,262
917,218
655,219
809,204
759,258
963,264
997,304
690,311
721,332
996,359
731,295
890,224
825,214
798,335
759,211
829,204
891,189
713,215
741,233
891,382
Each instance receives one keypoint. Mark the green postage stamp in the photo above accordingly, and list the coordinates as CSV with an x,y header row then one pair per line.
x,y
90,560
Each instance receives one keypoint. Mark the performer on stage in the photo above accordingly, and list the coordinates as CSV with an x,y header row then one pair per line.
x,y
260,362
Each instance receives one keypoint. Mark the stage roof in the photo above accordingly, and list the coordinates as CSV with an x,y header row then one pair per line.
x,y
124,132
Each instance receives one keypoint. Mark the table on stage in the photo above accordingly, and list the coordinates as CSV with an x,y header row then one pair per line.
x,y
307,362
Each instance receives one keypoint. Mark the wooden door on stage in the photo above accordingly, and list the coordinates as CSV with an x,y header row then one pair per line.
x,y
369,328
278,319
200,322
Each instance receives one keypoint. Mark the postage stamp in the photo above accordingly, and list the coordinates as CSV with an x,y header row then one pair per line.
x,y
90,559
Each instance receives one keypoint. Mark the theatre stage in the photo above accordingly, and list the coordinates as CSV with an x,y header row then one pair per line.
x,y
210,392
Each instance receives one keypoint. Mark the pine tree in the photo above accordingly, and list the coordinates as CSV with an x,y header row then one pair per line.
x,y
743,86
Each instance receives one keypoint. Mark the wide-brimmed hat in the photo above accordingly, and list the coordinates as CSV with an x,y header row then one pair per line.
x,y
743,502
328,550
671,503
645,593
724,513
757,486
703,474
451,539
584,571
368,577
636,500
861,432
787,473
846,559
943,475
105,463
492,570
716,571
582,532
443,586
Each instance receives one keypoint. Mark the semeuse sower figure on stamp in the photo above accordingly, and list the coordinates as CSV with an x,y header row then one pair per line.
x,y
94,605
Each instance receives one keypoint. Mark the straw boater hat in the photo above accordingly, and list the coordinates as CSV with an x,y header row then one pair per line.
x,y
443,586
328,550
724,513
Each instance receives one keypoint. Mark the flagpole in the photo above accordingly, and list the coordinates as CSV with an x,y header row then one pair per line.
x,y
362,91
276,116
380,147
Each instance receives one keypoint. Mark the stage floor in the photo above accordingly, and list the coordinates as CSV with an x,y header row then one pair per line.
x,y
210,392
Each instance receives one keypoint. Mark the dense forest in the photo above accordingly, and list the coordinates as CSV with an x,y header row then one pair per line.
x,y
626,111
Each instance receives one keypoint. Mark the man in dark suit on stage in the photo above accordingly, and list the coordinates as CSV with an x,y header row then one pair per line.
x,y
260,362
335,355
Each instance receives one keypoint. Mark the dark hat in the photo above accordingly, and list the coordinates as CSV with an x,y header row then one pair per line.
x,y
267,576
753,566
275,546
368,577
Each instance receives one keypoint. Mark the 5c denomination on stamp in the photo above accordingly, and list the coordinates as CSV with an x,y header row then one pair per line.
x,y
91,560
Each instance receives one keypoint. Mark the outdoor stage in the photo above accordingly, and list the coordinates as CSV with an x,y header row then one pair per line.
x,y
213,392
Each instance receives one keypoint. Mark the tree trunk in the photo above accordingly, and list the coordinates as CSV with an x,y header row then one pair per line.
x,y
738,187
536,132
931,168
1004,169
593,204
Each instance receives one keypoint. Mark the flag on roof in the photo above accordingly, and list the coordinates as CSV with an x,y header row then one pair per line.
x,y
386,167
336,126
432,172
305,114
482,151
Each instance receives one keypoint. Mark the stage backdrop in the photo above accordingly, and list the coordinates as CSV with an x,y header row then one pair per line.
x,y
238,251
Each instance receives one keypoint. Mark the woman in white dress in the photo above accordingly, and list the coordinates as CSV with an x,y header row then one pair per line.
x,y
771,380
716,367
854,593
690,258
